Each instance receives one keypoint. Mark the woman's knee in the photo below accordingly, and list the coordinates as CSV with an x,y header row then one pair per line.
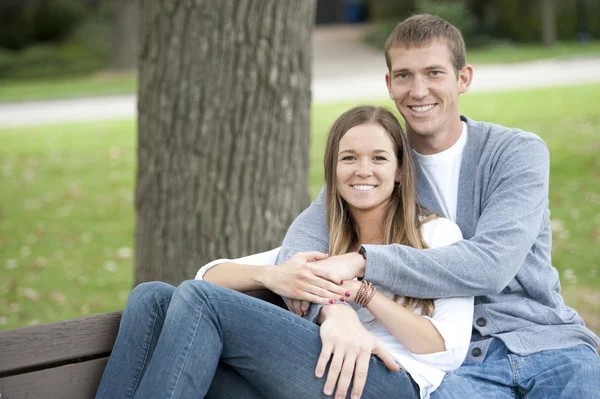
x,y
153,293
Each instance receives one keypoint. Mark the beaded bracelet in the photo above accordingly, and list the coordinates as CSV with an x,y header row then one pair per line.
x,y
365,293
362,292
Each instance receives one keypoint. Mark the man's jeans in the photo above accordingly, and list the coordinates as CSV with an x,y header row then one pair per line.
x,y
571,373
201,339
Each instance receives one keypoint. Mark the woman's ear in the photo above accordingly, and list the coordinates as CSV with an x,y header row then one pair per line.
x,y
398,178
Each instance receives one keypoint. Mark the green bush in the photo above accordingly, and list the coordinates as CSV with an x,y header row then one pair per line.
x,y
456,12
87,50
54,20
16,25
521,21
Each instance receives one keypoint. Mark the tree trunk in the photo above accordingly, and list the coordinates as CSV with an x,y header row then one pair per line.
x,y
124,50
548,23
224,97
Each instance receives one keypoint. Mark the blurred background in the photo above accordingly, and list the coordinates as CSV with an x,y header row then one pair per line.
x,y
68,135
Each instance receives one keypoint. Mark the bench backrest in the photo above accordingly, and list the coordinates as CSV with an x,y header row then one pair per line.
x,y
58,360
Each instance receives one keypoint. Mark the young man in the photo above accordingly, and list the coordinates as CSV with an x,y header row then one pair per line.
x,y
493,182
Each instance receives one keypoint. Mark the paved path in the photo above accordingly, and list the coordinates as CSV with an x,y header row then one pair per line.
x,y
343,69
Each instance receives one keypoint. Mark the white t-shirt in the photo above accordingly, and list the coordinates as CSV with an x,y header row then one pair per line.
x,y
442,171
453,317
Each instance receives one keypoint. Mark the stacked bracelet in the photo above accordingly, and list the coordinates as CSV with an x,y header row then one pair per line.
x,y
365,293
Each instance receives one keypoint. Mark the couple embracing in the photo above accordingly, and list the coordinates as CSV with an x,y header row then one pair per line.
x,y
423,269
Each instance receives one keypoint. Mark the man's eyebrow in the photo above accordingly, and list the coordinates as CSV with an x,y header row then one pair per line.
x,y
435,67
428,68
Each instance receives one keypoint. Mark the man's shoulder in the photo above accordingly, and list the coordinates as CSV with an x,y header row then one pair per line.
x,y
494,135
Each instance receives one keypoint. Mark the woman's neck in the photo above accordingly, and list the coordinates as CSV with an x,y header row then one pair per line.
x,y
370,225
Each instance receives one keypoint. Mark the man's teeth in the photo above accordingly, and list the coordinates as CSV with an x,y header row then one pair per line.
x,y
423,108
363,187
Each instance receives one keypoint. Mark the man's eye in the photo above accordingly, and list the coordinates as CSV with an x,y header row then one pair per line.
x,y
435,73
402,75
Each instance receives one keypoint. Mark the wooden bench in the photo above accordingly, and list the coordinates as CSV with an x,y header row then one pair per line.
x,y
64,359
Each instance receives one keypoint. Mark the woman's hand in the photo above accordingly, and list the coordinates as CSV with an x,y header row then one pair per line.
x,y
295,279
351,346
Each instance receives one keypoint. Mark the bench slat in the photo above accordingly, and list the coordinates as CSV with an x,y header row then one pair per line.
x,y
74,381
45,345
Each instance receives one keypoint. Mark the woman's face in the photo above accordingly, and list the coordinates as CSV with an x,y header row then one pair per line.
x,y
367,167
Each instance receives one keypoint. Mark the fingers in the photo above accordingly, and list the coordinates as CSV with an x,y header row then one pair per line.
x,y
304,305
324,357
345,375
295,305
386,357
360,374
326,273
335,367
335,291
314,256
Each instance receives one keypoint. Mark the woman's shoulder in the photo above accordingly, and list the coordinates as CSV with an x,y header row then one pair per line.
x,y
439,232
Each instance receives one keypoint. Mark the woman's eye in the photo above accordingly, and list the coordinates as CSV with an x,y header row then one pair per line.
x,y
379,158
348,158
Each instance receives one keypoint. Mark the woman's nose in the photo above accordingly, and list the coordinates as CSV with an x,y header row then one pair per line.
x,y
364,169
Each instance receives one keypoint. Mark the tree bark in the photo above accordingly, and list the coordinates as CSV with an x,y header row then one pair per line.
x,y
124,50
548,23
224,101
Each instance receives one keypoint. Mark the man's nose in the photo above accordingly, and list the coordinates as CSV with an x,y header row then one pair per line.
x,y
419,88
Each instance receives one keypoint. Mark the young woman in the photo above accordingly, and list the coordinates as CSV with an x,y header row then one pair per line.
x,y
203,339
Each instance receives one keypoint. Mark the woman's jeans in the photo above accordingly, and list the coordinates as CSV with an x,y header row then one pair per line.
x,y
200,340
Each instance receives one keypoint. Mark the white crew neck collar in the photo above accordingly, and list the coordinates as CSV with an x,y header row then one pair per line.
x,y
446,155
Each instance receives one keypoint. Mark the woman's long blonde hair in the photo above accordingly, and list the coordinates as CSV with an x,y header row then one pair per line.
x,y
403,216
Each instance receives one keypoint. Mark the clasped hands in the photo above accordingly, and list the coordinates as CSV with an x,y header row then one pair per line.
x,y
313,277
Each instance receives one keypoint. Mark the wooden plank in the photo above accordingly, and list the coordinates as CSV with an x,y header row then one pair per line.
x,y
73,381
43,345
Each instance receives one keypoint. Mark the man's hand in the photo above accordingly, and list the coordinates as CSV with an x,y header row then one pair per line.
x,y
349,347
296,279
340,267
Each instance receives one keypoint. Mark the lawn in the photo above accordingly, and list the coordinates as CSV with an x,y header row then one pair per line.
x,y
106,83
67,219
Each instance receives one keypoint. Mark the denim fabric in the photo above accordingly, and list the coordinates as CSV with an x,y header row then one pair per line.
x,y
200,340
570,373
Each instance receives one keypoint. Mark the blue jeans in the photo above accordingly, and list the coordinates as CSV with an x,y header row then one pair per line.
x,y
200,340
572,373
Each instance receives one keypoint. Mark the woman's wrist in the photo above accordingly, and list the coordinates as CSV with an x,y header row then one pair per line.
x,y
262,276
337,309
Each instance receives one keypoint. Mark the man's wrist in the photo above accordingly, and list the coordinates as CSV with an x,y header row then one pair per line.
x,y
360,263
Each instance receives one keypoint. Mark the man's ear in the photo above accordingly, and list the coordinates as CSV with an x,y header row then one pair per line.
x,y
465,76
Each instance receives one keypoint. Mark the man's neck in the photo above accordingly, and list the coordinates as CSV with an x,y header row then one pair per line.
x,y
436,143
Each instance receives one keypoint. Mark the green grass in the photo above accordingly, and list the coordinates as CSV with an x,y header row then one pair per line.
x,y
101,84
512,53
66,204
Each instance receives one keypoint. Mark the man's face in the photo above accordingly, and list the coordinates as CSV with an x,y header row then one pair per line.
x,y
423,84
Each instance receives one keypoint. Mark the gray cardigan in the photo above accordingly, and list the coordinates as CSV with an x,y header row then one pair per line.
x,y
504,260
